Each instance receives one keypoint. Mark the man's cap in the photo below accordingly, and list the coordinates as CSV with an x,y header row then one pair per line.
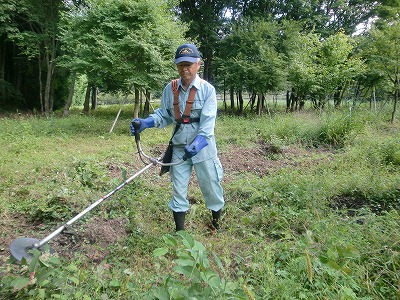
x,y
187,52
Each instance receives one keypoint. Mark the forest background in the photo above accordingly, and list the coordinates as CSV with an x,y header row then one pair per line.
x,y
57,53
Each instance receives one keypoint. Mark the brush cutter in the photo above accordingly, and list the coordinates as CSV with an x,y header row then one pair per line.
x,y
22,247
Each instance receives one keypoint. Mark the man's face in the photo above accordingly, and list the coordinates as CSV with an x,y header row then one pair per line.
x,y
187,70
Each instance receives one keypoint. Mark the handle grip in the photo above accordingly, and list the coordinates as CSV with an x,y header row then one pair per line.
x,y
136,125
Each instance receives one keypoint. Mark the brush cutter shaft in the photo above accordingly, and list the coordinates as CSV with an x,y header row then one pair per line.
x,y
89,208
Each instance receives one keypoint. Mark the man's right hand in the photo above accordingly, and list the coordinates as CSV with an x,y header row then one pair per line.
x,y
144,123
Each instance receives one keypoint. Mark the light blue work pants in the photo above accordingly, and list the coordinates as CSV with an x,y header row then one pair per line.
x,y
209,175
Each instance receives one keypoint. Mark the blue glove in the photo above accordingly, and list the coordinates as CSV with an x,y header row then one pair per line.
x,y
191,150
144,123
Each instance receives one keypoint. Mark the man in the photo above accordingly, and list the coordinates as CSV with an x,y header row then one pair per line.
x,y
194,138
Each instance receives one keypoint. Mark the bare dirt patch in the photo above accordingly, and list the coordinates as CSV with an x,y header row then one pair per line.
x,y
264,158
91,241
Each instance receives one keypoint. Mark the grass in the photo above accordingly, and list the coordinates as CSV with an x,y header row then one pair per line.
x,y
323,224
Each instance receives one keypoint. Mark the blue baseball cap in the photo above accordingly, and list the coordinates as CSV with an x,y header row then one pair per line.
x,y
187,52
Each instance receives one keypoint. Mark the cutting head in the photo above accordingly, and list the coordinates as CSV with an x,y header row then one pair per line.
x,y
22,247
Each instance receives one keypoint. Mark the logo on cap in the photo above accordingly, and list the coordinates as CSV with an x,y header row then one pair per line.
x,y
186,51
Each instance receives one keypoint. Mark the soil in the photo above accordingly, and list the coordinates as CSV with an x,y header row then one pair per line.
x,y
92,241
265,158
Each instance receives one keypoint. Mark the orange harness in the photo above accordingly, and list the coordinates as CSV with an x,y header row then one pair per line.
x,y
185,118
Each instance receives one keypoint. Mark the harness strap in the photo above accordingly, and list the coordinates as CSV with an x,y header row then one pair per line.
x,y
185,118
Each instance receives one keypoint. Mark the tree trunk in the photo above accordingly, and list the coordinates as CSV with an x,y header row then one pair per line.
x,y
373,100
51,97
140,102
287,101
68,104
396,93
252,100
47,106
137,104
40,83
259,104
94,98
264,104
225,107
301,104
293,101
50,64
87,100
3,49
337,99
240,94
232,96
146,109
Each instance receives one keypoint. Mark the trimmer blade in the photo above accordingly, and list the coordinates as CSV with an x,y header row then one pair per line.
x,y
21,247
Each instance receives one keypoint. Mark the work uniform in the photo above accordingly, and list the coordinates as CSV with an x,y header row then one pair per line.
x,y
206,162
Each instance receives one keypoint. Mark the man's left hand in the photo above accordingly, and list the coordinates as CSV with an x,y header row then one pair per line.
x,y
191,150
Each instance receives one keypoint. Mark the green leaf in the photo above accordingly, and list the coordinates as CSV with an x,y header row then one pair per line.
x,y
219,262
160,251
333,265
348,252
211,278
161,294
199,246
20,283
115,283
72,268
49,262
187,239
323,259
74,280
34,260
170,240
185,262
44,282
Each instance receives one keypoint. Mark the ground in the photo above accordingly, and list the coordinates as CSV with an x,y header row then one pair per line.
x,y
92,241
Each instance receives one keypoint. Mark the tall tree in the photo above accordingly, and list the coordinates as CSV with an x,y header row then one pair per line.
x,y
250,59
206,19
319,68
122,44
380,49
323,16
37,38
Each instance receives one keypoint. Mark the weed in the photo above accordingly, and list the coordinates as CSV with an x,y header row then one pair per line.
x,y
195,277
323,223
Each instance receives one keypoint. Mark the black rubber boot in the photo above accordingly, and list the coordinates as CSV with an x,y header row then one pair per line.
x,y
179,218
215,218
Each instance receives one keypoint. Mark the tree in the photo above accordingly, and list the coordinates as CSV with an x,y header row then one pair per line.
x,y
321,68
37,39
122,44
7,10
338,66
251,60
206,19
322,16
380,49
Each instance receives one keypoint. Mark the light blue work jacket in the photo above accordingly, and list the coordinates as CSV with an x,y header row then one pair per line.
x,y
204,107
